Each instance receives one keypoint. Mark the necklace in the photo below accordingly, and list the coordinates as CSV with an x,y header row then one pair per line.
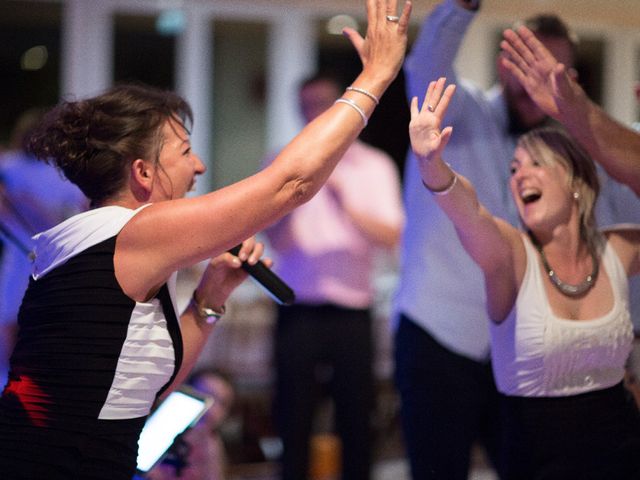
x,y
567,288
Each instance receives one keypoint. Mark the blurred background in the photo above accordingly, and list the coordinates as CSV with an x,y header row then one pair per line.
x,y
238,63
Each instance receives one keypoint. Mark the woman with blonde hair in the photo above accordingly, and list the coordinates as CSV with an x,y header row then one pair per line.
x,y
557,293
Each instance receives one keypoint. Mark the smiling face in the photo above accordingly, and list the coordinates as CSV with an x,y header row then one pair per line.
x,y
541,191
177,166
554,180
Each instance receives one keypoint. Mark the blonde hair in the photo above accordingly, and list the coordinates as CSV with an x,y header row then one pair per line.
x,y
551,145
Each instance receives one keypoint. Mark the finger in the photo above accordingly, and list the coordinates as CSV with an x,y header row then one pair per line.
x,y
434,99
391,7
428,96
535,46
518,47
514,69
246,248
403,24
445,135
443,104
414,108
227,259
355,38
560,80
256,253
509,52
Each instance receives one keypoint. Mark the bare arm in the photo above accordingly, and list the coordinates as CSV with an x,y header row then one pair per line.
x,y
493,244
615,146
174,234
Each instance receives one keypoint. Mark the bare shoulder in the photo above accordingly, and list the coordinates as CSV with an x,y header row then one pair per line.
x,y
625,239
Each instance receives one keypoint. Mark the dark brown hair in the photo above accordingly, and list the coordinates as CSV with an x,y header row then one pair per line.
x,y
93,141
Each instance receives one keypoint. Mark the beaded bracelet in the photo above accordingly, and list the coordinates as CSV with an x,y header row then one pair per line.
x,y
356,107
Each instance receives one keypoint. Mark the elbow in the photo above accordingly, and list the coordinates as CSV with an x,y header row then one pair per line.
x,y
298,191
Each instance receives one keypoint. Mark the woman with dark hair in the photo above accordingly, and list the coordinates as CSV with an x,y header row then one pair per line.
x,y
100,339
558,297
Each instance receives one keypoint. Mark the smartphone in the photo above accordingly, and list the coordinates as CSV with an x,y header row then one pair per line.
x,y
180,410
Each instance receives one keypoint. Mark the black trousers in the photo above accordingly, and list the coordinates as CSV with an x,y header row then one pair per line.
x,y
313,337
448,403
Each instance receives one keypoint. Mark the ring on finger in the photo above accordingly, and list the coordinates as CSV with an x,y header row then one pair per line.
x,y
393,18
430,108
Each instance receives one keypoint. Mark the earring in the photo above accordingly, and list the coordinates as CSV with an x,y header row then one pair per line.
x,y
576,195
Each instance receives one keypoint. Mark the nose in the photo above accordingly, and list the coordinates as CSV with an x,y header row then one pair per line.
x,y
200,167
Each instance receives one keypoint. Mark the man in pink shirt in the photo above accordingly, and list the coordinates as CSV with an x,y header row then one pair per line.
x,y
325,251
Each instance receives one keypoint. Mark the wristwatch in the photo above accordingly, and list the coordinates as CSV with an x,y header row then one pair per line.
x,y
207,314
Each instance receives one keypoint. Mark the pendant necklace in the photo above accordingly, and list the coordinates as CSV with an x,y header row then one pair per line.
x,y
568,288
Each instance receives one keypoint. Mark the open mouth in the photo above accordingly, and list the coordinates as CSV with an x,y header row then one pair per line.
x,y
530,196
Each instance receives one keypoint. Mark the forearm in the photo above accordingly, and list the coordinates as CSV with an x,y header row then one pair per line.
x,y
436,47
382,233
476,228
610,143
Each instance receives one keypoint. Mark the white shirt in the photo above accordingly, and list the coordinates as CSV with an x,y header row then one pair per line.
x,y
537,354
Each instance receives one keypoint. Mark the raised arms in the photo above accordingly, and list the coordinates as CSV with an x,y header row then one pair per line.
x,y
492,243
549,83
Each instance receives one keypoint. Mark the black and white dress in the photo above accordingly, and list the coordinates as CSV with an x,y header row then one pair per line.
x,y
89,361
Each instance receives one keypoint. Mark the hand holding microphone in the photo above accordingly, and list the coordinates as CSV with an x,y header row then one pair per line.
x,y
272,284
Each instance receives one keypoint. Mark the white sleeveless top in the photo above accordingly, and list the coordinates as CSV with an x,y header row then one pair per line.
x,y
536,354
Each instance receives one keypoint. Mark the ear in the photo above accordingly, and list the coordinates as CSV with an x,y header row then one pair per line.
x,y
141,175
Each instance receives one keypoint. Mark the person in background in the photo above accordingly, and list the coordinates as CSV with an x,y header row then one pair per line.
x,y
442,352
326,252
548,81
557,296
33,198
100,340
204,456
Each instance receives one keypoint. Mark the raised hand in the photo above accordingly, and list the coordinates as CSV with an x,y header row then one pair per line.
x,y
427,138
548,82
384,45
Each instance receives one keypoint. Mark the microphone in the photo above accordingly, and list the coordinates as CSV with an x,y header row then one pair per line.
x,y
272,284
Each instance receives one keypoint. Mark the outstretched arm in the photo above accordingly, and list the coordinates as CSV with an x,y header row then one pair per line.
x,y
549,83
492,243
210,224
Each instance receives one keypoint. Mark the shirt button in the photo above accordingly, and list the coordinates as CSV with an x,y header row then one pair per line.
x,y
588,380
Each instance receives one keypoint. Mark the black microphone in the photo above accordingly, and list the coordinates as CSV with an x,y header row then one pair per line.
x,y
272,284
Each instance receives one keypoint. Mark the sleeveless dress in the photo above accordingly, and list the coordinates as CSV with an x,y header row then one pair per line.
x,y
89,361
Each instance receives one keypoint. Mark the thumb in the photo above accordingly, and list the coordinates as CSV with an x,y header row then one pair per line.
x,y
356,40
445,136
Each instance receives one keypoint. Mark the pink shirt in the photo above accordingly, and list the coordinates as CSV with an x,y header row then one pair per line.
x,y
327,258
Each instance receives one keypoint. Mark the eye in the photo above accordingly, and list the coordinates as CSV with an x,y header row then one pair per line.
x,y
187,151
513,169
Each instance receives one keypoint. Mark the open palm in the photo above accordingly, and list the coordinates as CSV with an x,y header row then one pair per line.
x,y
427,138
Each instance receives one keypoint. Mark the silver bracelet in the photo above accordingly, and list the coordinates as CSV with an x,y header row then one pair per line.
x,y
356,107
375,99
445,190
